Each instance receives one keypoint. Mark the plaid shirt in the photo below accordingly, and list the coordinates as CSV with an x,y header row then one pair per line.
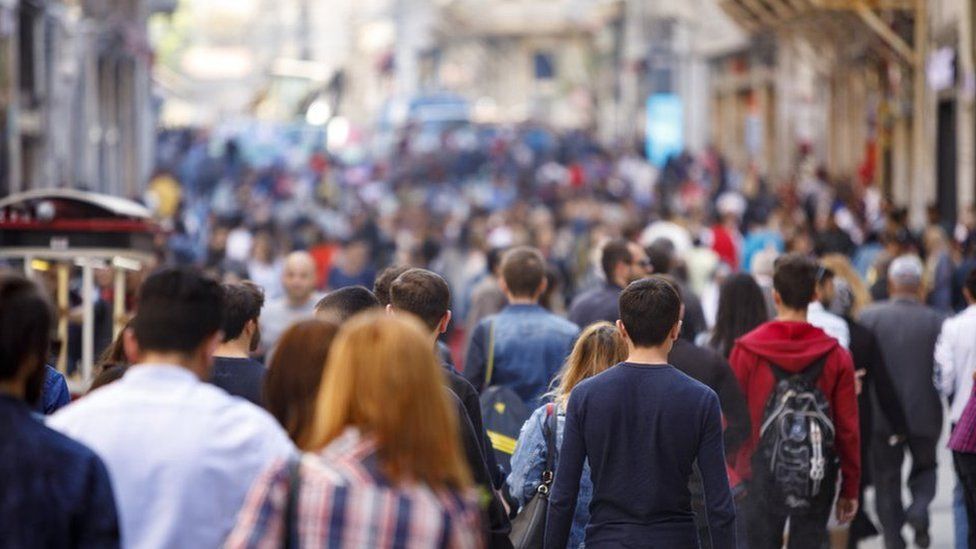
x,y
344,501
963,437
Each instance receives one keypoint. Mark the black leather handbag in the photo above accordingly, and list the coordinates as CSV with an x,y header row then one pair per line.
x,y
529,527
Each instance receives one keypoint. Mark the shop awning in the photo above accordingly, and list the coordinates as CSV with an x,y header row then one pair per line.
x,y
755,15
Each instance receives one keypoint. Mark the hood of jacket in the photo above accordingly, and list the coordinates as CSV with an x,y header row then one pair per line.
x,y
791,345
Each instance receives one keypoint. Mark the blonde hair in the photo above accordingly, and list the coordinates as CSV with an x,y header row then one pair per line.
x,y
841,267
599,347
382,378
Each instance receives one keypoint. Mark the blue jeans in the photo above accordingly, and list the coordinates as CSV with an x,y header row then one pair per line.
x,y
959,516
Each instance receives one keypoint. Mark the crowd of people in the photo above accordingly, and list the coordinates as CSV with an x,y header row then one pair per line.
x,y
544,344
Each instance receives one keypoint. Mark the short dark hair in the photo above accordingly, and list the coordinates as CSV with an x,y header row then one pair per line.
x,y
347,302
381,286
242,303
795,280
26,319
614,252
661,255
970,283
523,270
493,259
422,293
179,308
649,309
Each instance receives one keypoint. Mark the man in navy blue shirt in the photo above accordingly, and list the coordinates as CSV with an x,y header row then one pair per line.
x,y
55,491
233,368
643,425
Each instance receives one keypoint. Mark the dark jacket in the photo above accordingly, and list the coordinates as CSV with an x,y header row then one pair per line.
x,y
794,346
708,367
876,384
595,305
55,491
906,331
474,441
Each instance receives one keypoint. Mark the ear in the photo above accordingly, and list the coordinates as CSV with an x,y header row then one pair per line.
x,y
543,286
444,323
777,299
131,346
622,329
676,330
503,285
390,310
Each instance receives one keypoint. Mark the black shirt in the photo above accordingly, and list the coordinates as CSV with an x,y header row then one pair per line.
x,y
708,367
241,377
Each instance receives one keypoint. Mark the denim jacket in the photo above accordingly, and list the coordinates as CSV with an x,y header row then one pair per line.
x,y
530,346
529,462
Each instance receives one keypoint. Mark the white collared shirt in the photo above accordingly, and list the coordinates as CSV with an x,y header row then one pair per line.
x,y
181,453
833,325
955,360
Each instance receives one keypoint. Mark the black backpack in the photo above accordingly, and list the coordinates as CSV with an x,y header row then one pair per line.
x,y
795,463
502,411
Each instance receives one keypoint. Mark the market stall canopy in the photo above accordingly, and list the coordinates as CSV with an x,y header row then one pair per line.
x,y
66,223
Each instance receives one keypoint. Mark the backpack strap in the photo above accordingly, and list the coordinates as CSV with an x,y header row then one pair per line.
x,y
490,367
810,373
549,433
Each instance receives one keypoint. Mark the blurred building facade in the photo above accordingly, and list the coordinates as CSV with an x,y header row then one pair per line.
x,y
75,97
876,91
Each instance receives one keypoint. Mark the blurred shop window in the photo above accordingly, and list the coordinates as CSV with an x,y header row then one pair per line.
x,y
545,65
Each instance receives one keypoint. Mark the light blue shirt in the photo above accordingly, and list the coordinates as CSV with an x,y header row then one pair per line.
x,y
181,454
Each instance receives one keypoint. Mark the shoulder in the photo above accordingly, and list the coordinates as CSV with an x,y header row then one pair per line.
x,y
564,326
85,410
66,451
686,383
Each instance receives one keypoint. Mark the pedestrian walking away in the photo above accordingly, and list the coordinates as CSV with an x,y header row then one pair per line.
x,y
907,331
642,425
800,381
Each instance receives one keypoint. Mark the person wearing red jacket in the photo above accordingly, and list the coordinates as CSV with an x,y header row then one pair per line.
x,y
793,344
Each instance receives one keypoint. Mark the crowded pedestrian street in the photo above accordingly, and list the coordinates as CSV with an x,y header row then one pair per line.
x,y
547,274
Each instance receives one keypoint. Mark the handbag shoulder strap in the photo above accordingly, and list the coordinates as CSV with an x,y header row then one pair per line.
x,y
490,367
291,504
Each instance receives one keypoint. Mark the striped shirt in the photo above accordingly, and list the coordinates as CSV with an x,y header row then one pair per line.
x,y
345,501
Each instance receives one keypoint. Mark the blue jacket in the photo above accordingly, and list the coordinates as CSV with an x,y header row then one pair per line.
x,y
529,462
55,394
56,492
530,345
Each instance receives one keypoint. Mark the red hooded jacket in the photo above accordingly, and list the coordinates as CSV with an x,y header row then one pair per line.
x,y
794,346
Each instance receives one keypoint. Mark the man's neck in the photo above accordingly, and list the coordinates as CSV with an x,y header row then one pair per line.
x,y
649,355
235,348
905,296
523,300
12,388
299,302
170,359
791,315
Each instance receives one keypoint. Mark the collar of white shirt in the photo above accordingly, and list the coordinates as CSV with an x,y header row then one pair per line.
x,y
156,373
